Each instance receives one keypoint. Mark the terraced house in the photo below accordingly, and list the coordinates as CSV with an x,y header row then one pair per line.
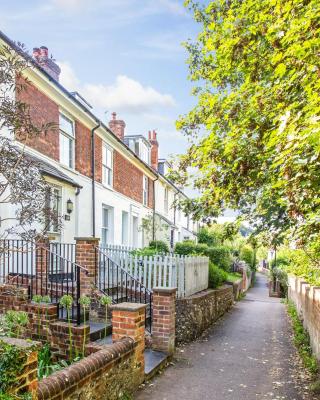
x,y
105,183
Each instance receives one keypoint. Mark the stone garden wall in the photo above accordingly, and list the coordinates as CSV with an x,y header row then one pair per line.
x,y
196,313
307,301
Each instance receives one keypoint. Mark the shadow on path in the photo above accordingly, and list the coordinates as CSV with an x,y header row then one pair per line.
x,y
247,355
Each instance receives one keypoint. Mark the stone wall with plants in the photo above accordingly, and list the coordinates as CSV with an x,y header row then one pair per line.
x,y
197,313
108,374
306,299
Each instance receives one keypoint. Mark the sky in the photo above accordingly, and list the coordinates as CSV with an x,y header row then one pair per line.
x,y
120,55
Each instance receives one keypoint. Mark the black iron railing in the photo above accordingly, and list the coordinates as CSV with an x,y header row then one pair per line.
x,y
115,282
43,271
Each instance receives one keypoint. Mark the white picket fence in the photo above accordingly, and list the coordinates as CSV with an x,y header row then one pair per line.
x,y
189,274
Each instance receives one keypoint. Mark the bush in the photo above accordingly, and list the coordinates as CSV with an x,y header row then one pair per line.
x,y
185,248
159,245
207,237
220,256
217,276
247,255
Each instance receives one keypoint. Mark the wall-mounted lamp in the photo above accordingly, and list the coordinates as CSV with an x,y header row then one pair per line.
x,y
69,206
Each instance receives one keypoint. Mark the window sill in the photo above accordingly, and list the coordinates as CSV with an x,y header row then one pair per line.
x,y
68,168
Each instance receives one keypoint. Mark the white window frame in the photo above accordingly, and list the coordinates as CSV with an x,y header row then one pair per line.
x,y
69,136
107,231
51,203
107,170
166,200
145,190
125,224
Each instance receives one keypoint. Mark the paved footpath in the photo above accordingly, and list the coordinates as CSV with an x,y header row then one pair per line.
x,y
247,355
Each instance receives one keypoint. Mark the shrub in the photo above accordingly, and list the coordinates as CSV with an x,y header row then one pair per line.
x,y
185,248
220,256
247,255
207,237
159,245
217,276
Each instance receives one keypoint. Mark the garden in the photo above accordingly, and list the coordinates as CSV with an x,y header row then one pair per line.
x,y
36,329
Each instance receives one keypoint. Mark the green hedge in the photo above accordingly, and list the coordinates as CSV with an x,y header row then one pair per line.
x,y
159,245
219,255
217,276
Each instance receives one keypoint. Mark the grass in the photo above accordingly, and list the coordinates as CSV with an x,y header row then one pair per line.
x,y
233,276
302,341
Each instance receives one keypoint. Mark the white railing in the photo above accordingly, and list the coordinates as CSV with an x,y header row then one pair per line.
x,y
190,274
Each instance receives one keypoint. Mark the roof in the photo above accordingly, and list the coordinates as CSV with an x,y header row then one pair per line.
x,y
49,170
71,97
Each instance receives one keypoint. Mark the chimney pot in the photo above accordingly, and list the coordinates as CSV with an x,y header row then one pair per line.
x,y
114,115
44,51
36,52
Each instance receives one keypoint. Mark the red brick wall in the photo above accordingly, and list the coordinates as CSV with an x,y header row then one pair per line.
x,y
42,110
127,179
83,152
150,194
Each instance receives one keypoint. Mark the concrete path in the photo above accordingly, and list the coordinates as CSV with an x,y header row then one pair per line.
x,y
247,355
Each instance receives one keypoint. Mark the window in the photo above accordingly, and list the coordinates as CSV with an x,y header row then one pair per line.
x,y
66,141
125,221
54,203
107,225
135,231
145,191
166,203
107,165
144,153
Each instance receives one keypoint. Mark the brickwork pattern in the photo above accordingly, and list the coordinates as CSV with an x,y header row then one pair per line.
x,y
86,256
83,152
105,374
42,111
128,320
127,179
164,320
12,298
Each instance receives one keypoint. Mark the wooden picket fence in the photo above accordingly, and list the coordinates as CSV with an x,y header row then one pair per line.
x,y
190,274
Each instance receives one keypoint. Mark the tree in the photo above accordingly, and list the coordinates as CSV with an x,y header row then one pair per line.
x,y
255,128
21,182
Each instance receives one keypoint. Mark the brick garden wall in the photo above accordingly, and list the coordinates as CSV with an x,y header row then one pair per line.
x,y
307,301
106,374
197,313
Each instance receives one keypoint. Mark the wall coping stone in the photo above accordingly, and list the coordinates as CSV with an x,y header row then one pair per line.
x,y
159,289
87,239
21,343
128,306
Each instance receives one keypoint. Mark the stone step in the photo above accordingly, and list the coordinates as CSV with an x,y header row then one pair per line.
x,y
154,362
98,330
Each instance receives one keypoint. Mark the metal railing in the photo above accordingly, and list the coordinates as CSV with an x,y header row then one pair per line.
x,y
43,271
115,282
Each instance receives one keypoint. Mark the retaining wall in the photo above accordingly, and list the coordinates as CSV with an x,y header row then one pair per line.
x,y
307,301
197,313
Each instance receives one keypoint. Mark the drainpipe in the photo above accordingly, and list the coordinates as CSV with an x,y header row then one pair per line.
x,y
93,171
154,211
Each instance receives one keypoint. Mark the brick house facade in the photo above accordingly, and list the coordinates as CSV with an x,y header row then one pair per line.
x,y
124,179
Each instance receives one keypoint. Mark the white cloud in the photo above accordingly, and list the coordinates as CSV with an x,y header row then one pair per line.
x,y
125,94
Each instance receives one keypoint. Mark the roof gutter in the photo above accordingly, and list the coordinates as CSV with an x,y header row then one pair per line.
x,y
93,173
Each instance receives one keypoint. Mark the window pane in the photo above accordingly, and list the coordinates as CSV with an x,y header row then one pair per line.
x,y
109,159
66,125
105,217
66,150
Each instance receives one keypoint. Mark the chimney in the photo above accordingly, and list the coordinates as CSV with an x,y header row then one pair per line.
x,y
40,55
154,149
117,126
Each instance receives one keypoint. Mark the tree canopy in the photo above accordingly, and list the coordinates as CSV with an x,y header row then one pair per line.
x,y
255,140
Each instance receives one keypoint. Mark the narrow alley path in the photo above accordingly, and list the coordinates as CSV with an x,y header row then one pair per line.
x,y
247,355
